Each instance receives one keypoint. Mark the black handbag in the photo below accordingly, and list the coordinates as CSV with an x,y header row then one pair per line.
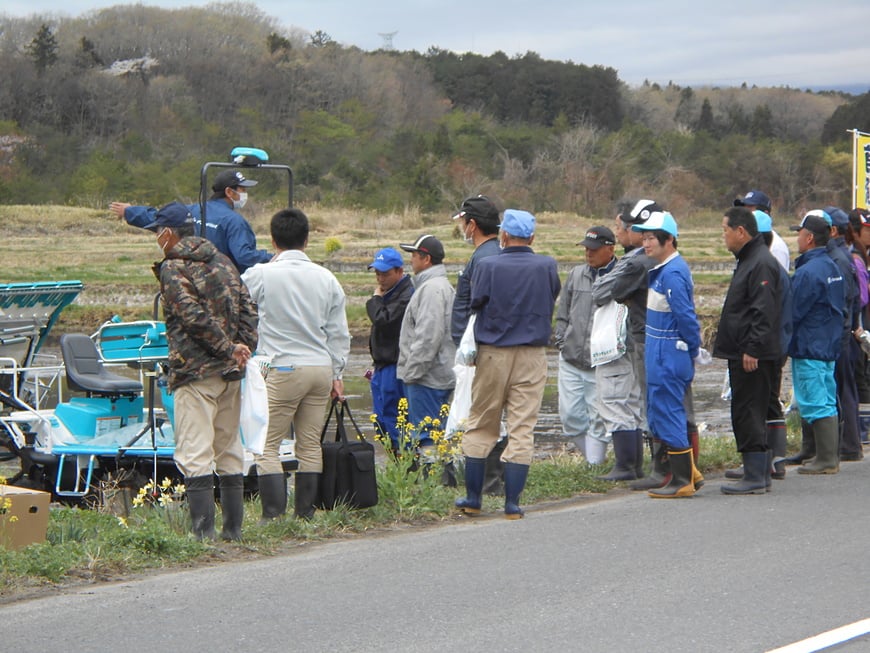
x,y
348,465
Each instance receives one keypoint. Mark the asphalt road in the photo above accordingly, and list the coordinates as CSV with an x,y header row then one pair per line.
x,y
627,573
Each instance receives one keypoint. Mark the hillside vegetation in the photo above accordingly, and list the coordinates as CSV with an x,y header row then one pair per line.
x,y
128,102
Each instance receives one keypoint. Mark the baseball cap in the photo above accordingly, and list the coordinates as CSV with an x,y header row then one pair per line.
x,y
427,244
839,218
479,208
754,198
762,219
816,221
658,220
173,215
598,237
640,212
859,218
520,224
231,179
386,259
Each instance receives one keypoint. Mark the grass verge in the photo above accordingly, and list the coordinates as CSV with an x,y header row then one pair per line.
x,y
94,546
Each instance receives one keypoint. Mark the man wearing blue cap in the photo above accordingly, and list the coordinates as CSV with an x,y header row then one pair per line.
x,y
673,342
211,329
513,295
818,310
225,227
386,309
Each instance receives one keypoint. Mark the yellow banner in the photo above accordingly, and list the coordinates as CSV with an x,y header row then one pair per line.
x,y
862,170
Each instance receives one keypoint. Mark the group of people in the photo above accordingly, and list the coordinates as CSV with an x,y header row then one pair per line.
x,y
626,330
223,299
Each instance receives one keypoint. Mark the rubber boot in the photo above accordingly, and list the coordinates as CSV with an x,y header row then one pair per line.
x,y
827,438
660,474
756,465
493,479
514,483
638,467
681,483
768,473
777,440
864,422
199,491
306,494
736,473
475,470
808,446
273,495
695,442
232,506
625,448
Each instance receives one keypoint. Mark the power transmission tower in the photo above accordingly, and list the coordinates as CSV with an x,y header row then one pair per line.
x,y
388,39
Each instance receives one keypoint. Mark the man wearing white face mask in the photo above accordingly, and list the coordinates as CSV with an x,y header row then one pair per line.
x,y
225,228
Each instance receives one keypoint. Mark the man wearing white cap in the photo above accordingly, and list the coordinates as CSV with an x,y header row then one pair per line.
x,y
673,342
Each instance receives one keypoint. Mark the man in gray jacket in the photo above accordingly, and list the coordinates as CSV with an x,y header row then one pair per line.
x,y
578,411
426,350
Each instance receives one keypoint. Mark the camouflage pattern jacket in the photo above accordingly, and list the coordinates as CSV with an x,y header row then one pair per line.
x,y
208,310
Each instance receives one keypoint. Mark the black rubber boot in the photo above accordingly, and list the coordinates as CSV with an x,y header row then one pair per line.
x,y
273,495
638,468
514,483
736,473
808,446
493,479
200,501
757,466
306,494
475,471
232,506
660,473
681,483
625,448
777,440
827,437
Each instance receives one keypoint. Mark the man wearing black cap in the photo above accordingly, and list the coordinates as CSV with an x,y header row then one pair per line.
x,y
478,217
756,199
818,309
578,402
426,350
211,328
229,231
619,397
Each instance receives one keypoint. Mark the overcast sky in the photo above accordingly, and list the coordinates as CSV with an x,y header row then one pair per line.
x,y
799,43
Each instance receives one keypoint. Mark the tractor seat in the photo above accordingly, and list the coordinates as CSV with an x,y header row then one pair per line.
x,y
85,371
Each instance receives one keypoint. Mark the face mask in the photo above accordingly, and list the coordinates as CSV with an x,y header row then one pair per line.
x,y
161,246
240,203
468,239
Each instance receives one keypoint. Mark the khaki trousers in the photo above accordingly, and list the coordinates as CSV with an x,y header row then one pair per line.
x,y
207,436
509,379
298,398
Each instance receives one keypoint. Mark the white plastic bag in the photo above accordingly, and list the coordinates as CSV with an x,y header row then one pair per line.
x,y
254,417
607,341
466,352
460,407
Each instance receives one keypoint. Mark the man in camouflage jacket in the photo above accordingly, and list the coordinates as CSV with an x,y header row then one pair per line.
x,y
211,328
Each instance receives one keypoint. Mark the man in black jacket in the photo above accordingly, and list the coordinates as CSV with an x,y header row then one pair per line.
x,y
386,309
749,339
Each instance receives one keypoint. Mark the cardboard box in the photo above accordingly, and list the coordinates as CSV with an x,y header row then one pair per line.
x,y
23,516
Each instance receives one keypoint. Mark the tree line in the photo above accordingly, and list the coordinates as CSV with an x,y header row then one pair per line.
x,y
130,101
